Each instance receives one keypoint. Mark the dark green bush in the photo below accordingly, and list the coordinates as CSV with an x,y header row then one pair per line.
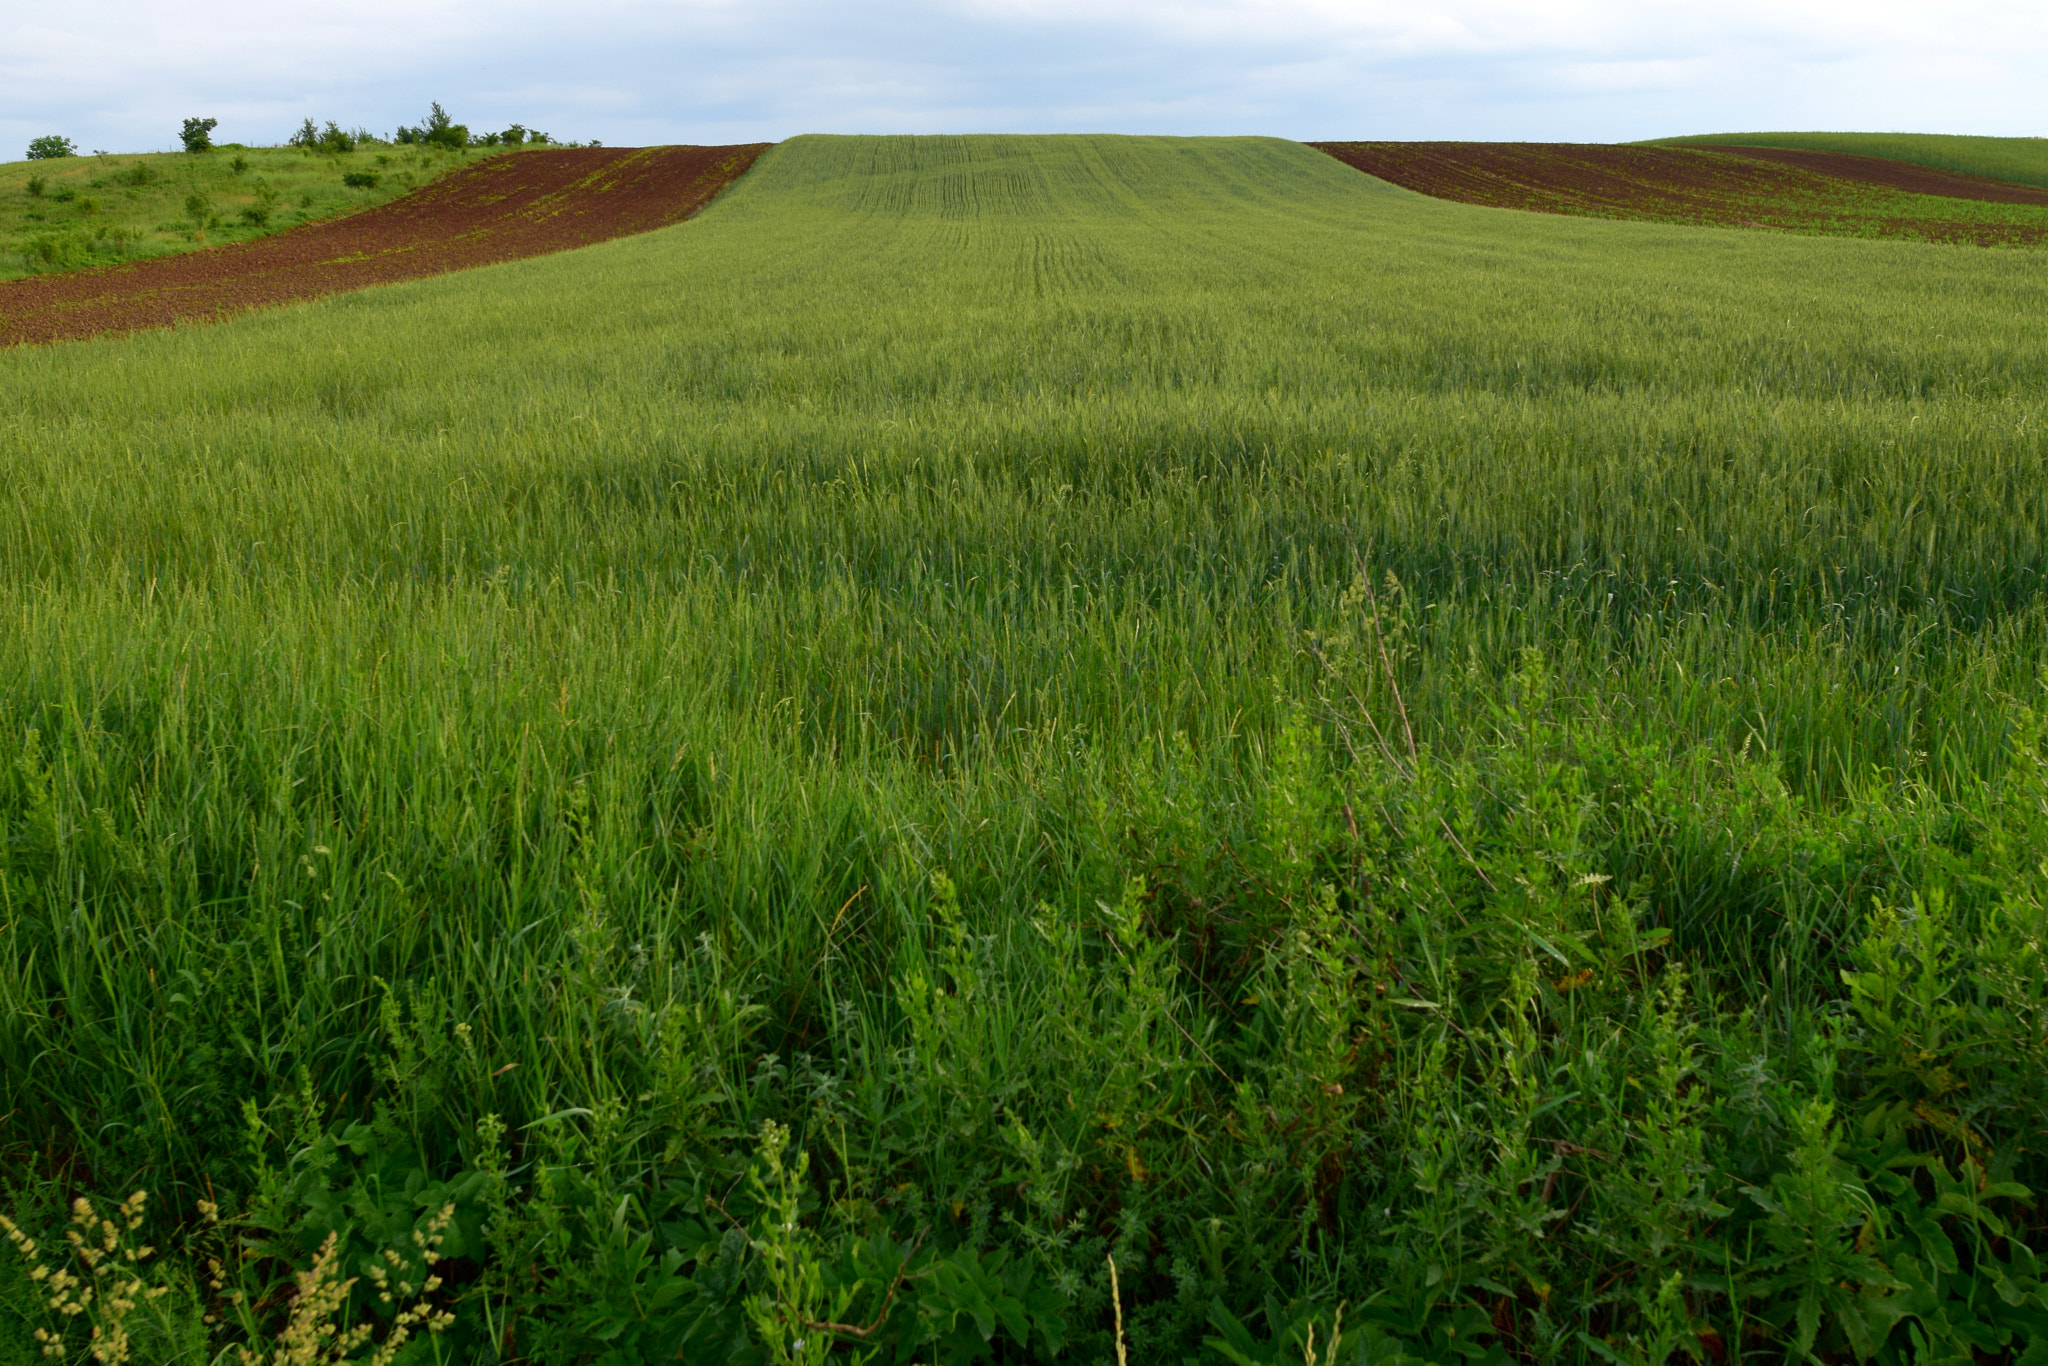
x,y
439,130
50,147
35,187
360,180
197,134
333,139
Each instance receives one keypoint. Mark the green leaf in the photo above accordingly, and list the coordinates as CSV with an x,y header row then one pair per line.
x,y
1808,1319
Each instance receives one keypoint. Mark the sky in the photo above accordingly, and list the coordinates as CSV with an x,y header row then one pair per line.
x,y
120,75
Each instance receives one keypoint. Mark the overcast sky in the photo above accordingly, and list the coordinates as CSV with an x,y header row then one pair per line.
x,y
121,74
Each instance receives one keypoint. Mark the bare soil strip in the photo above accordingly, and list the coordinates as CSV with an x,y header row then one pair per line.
x,y
509,207
1894,175
1729,186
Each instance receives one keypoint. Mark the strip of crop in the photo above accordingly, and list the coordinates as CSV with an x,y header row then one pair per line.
x,y
1836,195
2017,161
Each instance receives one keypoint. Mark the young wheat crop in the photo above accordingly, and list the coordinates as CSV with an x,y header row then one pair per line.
x,y
1138,698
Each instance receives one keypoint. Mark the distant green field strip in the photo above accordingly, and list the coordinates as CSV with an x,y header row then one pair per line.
x,y
2021,161
1069,177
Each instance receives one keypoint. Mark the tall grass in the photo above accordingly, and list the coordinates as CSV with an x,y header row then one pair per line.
x,y
926,655
2023,161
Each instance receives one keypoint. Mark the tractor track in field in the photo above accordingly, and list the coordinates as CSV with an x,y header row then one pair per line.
x,y
1729,186
504,209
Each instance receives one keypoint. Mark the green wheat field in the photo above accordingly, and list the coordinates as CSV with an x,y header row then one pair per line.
x,y
1016,749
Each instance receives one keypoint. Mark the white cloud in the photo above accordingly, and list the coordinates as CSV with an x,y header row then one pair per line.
x,y
122,73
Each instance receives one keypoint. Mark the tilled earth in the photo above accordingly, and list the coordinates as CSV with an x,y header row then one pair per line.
x,y
1755,187
509,207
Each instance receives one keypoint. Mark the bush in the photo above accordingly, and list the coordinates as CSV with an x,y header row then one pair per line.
x,y
196,134
36,185
438,131
197,207
256,215
239,165
51,147
360,180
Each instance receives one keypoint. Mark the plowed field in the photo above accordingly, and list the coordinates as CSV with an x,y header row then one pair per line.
x,y
504,209
1894,175
1816,192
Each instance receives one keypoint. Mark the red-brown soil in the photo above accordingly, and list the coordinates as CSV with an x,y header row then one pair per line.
x,y
1730,186
1893,175
506,208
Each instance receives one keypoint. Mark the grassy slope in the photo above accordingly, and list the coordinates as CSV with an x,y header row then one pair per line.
x,y
596,645
2022,161
96,210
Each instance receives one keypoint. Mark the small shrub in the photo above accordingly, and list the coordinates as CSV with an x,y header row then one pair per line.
x,y
360,180
333,139
65,195
256,215
439,130
239,164
51,147
197,134
197,206
137,174
36,186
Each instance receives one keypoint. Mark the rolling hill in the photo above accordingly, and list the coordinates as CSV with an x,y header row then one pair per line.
x,y
993,723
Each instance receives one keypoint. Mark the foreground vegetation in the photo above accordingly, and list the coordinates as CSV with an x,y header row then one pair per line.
x,y
2022,161
794,786
64,213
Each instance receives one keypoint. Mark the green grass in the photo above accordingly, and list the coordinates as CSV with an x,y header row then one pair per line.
x,y
2022,161
70,212
925,653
